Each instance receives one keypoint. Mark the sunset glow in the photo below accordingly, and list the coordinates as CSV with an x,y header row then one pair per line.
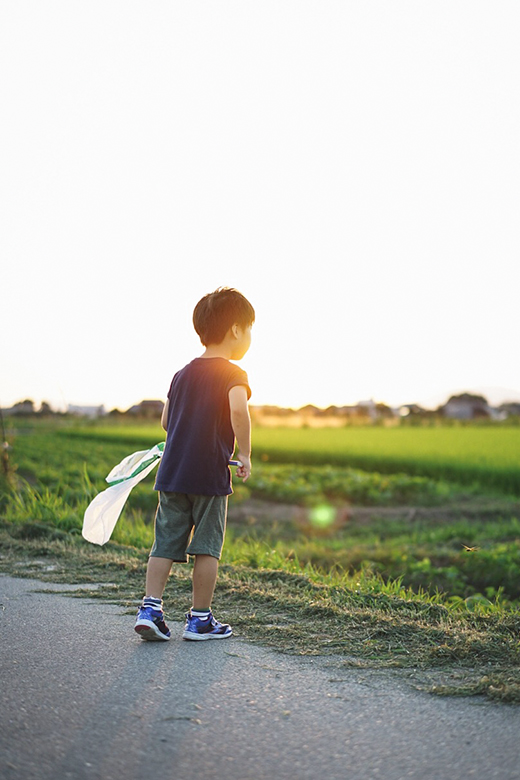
x,y
352,168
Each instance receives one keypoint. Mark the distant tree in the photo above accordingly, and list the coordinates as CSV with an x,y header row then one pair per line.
x,y
23,407
45,409
309,409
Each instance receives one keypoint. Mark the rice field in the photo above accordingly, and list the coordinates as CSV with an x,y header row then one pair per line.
x,y
488,456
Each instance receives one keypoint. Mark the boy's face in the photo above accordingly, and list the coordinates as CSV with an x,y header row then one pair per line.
x,y
243,341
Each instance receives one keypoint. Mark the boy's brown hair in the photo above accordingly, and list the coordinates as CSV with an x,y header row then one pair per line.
x,y
218,311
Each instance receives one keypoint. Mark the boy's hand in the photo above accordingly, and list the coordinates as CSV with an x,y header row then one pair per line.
x,y
244,471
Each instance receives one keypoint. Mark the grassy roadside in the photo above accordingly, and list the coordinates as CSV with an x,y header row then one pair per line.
x,y
408,572
364,621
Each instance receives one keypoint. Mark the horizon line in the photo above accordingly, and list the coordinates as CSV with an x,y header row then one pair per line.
x,y
63,408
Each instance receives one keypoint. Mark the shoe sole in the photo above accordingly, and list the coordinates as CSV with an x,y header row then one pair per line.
x,y
200,637
147,630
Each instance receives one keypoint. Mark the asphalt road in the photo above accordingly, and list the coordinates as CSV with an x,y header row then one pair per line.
x,y
84,697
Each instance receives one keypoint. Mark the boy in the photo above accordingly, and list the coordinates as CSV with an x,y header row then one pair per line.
x,y
206,410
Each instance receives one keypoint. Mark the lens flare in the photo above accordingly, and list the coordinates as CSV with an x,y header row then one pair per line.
x,y
322,516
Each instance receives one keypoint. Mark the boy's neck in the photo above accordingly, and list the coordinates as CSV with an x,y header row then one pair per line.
x,y
218,350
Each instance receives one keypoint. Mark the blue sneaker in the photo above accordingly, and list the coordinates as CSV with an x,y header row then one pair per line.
x,y
197,628
150,624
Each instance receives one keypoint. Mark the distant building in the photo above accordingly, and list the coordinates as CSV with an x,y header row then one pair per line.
x,y
411,409
86,411
509,409
366,409
467,407
150,409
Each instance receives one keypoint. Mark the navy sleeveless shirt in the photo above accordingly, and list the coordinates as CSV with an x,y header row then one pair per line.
x,y
200,439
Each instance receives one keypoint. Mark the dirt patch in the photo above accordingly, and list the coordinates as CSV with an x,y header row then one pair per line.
x,y
255,512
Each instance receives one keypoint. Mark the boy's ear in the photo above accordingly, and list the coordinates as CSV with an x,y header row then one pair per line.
x,y
234,330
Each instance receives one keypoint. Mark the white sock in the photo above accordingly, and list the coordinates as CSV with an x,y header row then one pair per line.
x,y
203,614
150,601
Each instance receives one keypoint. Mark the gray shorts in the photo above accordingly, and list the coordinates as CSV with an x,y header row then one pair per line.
x,y
180,513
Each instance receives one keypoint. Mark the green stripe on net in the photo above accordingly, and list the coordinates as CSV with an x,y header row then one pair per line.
x,y
142,466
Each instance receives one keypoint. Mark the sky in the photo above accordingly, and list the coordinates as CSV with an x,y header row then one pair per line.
x,y
352,167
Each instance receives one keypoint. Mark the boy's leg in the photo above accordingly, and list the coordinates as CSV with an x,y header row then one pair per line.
x,y
173,525
209,515
150,623
200,623
157,573
205,571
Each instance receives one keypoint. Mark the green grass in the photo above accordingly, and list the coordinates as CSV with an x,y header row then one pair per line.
x,y
485,455
386,590
424,557
62,473
312,485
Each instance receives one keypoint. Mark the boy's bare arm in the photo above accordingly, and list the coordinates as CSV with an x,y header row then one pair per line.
x,y
241,423
164,416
